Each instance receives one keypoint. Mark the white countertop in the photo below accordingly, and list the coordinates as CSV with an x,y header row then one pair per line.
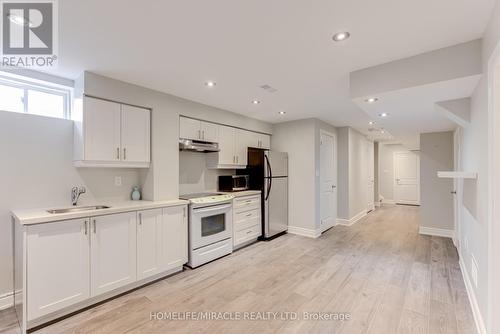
x,y
37,216
242,193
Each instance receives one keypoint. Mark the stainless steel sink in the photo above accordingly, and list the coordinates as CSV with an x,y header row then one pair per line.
x,y
78,209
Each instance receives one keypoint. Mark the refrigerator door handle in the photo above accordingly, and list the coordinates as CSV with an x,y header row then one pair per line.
x,y
270,178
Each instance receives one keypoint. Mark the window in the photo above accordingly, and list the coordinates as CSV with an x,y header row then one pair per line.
x,y
37,99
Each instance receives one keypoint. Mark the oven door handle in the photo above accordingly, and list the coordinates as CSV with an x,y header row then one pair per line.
x,y
211,209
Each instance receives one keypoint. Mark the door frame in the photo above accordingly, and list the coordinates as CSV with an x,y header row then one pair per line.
x,y
457,185
394,178
372,144
335,165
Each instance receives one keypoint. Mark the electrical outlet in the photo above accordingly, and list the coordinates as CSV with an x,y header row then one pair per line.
x,y
118,181
474,270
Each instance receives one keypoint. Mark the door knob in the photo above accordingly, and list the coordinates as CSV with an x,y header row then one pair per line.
x,y
454,192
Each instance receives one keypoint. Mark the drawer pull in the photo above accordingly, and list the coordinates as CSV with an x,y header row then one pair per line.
x,y
248,215
248,232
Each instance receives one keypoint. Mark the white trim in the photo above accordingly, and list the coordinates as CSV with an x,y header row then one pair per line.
x,y
478,319
6,300
388,201
353,220
304,232
438,232
493,193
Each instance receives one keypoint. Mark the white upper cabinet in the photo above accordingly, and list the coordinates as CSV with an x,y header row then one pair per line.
x,y
198,130
189,128
232,149
258,140
209,132
101,130
111,134
57,270
135,136
113,252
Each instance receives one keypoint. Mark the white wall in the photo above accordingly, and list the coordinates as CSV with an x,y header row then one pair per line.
x,y
436,200
352,173
386,169
195,177
297,138
161,181
37,171
475,157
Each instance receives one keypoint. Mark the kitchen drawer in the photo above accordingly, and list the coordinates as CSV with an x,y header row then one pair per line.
x,y
242,216
243,224
246,203
247,234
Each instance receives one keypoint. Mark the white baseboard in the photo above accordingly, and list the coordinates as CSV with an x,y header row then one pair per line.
x,y
305,232
478,319
353,220
6,301
387,201
438,232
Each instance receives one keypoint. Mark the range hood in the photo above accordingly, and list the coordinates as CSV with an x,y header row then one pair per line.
x,y
197,146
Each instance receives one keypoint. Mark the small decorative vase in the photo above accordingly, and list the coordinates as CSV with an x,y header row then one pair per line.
x,y
136,194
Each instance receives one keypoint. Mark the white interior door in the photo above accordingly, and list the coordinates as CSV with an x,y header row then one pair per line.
x,y
328,181
370,154
407,178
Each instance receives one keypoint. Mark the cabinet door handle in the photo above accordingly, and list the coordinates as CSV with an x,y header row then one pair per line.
x,y
199,134
118,153
249,215
86,228
203,134
140,218
124,153
237,159
95,226
184,212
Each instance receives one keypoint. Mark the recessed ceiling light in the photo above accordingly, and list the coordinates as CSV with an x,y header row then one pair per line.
x,y
384,114
255,101
282,112
371,100
371,122
19,20
341,36
210,83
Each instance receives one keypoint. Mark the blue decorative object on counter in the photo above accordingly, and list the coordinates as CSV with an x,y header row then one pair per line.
x,y
136,194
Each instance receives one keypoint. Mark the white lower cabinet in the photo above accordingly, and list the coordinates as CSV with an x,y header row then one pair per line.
x,y
113,252
57,271
149,243
174,237
67,265
247,222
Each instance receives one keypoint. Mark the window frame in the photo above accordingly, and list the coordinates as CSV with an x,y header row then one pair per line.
x,y
65,93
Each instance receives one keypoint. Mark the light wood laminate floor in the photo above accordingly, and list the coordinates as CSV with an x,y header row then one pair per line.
x,y
380,271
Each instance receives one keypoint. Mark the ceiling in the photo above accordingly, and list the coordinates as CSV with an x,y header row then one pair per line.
x,y
175,46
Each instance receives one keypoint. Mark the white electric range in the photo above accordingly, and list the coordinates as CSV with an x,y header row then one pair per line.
x,y
210,227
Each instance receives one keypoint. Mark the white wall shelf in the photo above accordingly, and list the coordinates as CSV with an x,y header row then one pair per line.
x,y
457,175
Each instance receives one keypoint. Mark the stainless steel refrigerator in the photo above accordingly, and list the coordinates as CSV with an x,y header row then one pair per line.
x,y
268,172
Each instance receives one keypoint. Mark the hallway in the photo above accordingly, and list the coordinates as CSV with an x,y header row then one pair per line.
x,y
380,271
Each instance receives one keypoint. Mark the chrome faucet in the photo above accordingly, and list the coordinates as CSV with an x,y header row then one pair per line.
x,y
75,194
